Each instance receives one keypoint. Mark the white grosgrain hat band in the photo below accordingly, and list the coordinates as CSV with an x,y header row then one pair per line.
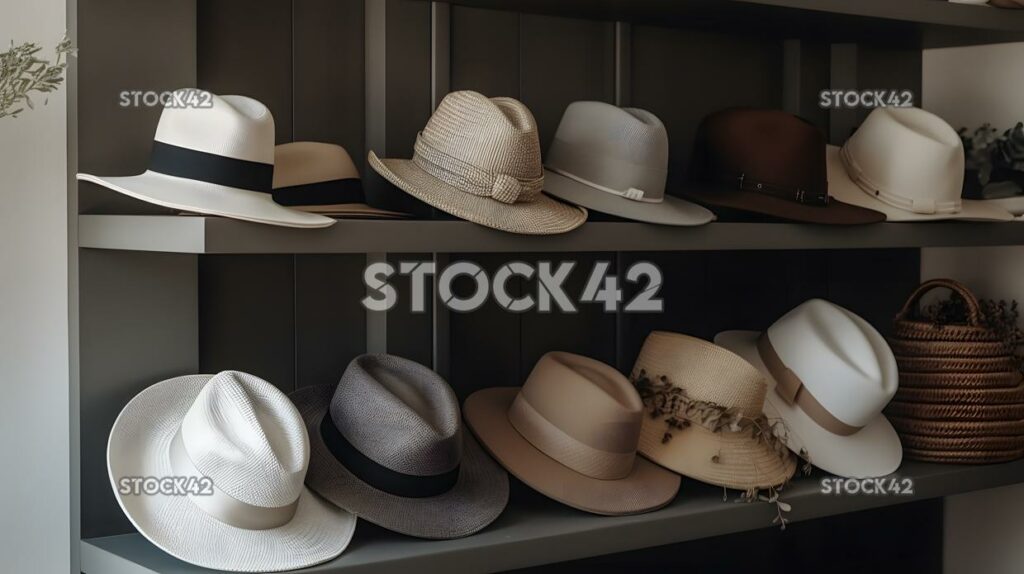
x,y
223,506
632,193
925,206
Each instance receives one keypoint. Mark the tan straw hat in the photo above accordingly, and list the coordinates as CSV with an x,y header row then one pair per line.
x,y
705,414
478,158
571,434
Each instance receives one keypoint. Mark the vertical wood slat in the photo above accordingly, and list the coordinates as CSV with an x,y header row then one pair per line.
x,y
485,51
328,102
843,70
247,316
245,47
116,140
137,326
330,320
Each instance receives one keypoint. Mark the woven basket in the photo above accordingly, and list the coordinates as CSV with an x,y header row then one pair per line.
x,y
907,327
956,429
941,396
969,444
917,364
1014,412
962,457
956,381
944,350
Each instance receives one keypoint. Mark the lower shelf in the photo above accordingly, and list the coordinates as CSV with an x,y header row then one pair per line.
x,y
535,530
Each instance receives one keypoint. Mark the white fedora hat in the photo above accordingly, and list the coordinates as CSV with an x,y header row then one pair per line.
x,y
215,160
830,375
908,164
321,178
239,450
615,160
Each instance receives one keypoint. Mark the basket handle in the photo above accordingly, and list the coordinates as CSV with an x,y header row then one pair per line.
x,y
973,308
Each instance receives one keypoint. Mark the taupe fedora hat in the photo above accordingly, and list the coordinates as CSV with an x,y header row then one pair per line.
x,y
706,414
321,178
387,444
478,158
615,160
571,434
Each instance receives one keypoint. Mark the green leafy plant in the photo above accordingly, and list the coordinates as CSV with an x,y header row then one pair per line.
x,y
995,157
24,73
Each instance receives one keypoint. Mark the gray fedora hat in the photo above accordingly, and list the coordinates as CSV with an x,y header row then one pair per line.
x,y
387,444
615,160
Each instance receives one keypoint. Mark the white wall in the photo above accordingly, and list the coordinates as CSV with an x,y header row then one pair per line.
x,y
984,531
34,373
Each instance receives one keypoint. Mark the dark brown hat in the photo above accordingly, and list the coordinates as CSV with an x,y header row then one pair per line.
x,y
769,162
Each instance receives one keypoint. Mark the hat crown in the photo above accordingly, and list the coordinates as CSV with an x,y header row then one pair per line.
x,y
399,414
247,437
909,153
304,163
705,371
588,402
236,127
494,135
771,147
840,359
617,148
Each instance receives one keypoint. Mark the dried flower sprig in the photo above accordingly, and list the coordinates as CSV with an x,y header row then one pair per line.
x,y
1001,317
663,399
23,73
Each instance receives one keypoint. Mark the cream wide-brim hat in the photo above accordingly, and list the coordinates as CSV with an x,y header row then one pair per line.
x,y
648,487
843,188
138,447
541,216
873,451
733,459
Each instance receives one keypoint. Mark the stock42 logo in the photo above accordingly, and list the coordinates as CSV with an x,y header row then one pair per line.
x,y
547,279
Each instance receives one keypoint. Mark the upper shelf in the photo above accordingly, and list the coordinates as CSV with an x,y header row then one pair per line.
x,y
924,23
534,530
213,235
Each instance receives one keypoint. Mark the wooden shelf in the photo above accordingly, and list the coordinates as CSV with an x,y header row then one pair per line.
x,y
535,530
213,235
920,23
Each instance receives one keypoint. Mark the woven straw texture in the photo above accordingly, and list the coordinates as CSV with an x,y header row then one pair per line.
x,y
961,397
479,159
404,417
139,445
712,374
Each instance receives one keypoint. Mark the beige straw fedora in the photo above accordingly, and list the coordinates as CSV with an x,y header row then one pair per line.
x,y
478,158
706,414
571,434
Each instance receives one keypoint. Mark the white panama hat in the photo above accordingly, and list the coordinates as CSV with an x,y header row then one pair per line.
x,y
215,160
829,374
244,444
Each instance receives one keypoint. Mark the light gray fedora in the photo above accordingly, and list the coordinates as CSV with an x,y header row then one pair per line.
x,y
615,160
387,444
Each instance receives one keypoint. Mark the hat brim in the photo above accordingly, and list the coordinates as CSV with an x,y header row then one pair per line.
x,y
835,213
351,211
138,447
730,459
542,216
873,451
846,190
476,500
670,211
647,488
208,199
